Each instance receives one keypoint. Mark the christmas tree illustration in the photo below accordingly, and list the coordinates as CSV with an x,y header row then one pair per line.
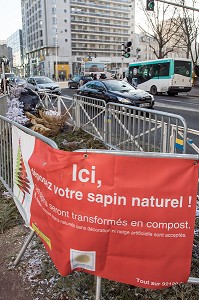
x,y
21,178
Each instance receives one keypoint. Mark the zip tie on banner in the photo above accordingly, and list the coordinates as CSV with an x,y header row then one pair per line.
x,y
197,161
86,154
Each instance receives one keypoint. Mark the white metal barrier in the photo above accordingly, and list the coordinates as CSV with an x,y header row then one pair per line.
x,y
101,120
131,128
156,131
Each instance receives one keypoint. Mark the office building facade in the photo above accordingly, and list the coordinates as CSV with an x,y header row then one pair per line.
x,y
16,53
69,37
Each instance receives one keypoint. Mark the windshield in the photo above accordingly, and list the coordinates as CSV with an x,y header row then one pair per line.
x,y
19,80
87,78
76,78
43,80
119,86
182,68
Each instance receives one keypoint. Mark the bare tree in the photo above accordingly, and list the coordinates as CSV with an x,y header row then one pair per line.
x,y
163,28
189,23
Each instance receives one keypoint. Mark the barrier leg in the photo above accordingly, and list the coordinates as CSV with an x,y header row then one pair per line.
x,y
23,249
98,288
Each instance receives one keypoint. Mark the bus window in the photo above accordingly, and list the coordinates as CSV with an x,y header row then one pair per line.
x,y
150,74
182,68
161,70
144,74
164,69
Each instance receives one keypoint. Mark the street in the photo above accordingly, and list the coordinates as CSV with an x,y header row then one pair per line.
x,y
183,104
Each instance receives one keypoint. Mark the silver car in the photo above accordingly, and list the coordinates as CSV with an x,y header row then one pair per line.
x,y
43,84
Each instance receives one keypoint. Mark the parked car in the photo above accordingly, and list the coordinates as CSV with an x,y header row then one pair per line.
x,y
78,81
43,83
118,91
8,75
17,81
102,76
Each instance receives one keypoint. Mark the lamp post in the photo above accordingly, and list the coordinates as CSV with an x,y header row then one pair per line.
x,y
24,60
56,45
56,55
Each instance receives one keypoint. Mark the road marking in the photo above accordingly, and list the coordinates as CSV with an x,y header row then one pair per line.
x,y
178,101
176,107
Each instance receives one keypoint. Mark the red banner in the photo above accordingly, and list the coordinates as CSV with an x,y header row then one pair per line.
x,y
124,218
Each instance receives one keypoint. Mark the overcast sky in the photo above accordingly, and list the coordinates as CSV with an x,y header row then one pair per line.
x,y
10,17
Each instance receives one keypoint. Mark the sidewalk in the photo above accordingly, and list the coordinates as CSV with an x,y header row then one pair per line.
x,y
63,84
194,91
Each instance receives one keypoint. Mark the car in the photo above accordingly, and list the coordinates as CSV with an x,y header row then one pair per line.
x,y
43,84
102,76
8,75
117,91
78,81
17,81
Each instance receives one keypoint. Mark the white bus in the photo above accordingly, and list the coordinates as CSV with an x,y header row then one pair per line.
x,y
167,75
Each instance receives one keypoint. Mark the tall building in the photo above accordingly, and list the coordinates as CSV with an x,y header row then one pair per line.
x,y
15,56
64,37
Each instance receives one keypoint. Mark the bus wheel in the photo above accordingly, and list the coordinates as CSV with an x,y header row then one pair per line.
x,y
153,90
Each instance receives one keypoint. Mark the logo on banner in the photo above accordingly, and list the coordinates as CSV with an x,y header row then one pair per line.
x,y
20,176
82,259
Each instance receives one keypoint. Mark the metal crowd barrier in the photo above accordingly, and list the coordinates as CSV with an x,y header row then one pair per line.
x,y
112,123
6,172
62,105
3,105
127,128
131,128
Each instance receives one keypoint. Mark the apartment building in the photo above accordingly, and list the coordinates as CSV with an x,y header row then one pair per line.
x,y
73,36
16,53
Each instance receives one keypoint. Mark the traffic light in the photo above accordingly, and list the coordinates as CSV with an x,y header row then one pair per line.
x,y
150,5
4,60
126,49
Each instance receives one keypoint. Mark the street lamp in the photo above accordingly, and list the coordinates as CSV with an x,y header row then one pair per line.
x,y
56,46
56,55
23,60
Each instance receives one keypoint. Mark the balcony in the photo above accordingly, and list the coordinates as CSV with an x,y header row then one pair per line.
x,y
103,15
108,7
100,33
97,24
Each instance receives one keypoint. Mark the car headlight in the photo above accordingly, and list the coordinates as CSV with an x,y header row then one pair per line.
x,y
124,100
42,87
